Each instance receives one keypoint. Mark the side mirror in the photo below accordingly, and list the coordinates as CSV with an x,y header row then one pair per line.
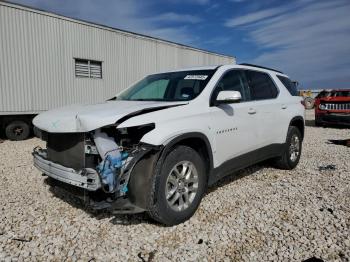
x,y
228,97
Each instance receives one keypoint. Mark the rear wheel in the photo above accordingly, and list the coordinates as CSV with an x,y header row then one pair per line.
x,y
291,155
17,130
179,186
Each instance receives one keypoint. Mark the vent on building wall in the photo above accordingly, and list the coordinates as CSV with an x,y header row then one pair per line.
x,y
88,68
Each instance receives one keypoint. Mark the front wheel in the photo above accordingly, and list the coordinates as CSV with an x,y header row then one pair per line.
x,y
291,155
179,186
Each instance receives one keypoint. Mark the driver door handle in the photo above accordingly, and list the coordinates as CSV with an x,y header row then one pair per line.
x,y
251,111
284,106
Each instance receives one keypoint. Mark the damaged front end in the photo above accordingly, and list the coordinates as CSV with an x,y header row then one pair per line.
x,y
108,168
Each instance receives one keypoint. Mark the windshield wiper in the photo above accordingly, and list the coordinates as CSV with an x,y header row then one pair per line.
x,y
111,99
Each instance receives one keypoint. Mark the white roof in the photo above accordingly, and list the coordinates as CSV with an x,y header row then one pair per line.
x,y
212,67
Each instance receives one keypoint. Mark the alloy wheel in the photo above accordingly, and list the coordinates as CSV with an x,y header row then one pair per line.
x,y
294,148
181,186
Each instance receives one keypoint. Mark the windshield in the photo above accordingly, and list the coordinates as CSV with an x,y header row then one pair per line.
x,y
338,93
173,86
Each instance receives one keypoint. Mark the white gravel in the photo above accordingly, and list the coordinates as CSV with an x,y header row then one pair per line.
x,y
259,214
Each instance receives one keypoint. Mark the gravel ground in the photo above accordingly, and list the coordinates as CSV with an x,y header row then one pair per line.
x,y
258,214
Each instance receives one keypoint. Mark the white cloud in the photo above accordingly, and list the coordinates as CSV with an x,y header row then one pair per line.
x,y
311,43
253,17
262,14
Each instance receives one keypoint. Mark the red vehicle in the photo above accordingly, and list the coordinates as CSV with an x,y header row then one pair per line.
x,y
333,107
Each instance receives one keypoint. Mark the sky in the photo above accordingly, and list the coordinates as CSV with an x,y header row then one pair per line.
x,y
309,40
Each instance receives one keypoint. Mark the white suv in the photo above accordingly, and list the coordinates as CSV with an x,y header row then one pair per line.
x,y
157,145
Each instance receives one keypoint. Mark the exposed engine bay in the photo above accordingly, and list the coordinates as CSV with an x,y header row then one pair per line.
x,y
99,162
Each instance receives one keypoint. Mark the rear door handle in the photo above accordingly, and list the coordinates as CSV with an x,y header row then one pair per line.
x,y
251,111
284,106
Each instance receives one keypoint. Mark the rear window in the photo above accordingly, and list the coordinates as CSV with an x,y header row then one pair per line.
x,y
289,85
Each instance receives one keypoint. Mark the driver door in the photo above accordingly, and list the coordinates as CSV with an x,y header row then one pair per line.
x,y
234,126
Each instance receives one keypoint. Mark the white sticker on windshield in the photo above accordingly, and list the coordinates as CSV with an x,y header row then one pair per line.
x,y
196,77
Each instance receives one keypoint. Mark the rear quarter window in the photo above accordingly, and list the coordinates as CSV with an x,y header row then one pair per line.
x,y
291,87
261,85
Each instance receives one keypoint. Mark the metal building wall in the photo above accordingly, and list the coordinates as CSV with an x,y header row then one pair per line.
x,y
37,59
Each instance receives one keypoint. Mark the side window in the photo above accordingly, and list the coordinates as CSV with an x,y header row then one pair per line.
x,y
233,80
261,85
155,90
289,85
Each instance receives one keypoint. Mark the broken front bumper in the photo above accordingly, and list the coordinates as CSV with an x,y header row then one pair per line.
x,y
86,178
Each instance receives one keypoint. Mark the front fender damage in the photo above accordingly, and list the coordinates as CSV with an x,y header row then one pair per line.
x,y
138,178
123,167
137,175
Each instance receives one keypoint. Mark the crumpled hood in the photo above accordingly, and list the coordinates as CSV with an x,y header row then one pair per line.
x,y
84,118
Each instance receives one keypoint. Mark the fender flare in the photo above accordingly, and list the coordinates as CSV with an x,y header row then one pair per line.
x,y
141,181
203,137
299,118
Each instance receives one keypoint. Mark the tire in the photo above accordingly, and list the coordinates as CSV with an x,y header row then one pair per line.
x,y
287,161
160,207
309,102
17,130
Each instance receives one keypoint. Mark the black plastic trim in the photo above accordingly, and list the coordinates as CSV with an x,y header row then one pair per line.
x,y
199,135
141,178
334,119
299,118
245,160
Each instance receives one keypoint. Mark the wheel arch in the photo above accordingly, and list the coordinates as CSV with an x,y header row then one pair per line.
x,y
298,122
197,141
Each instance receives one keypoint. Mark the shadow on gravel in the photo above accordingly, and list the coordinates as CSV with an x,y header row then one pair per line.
x,y
237,175
341,142
79,203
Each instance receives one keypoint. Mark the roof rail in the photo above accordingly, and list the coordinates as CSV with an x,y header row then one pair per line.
x,y
263,67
